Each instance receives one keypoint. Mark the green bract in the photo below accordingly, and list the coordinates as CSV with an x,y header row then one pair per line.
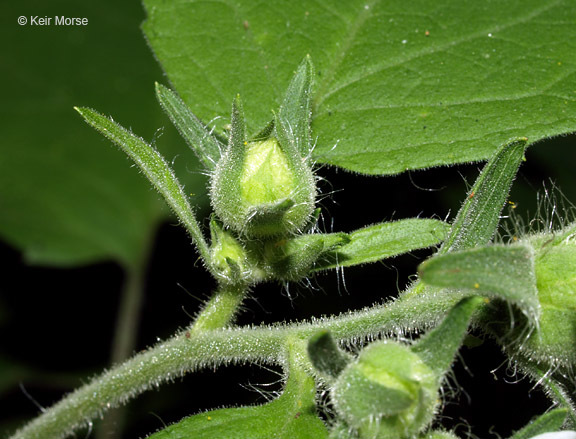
x,y
553,341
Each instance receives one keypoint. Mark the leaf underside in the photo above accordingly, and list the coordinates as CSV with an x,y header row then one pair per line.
x,y
67,196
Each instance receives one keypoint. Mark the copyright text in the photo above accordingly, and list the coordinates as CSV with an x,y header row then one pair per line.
x,y
58,20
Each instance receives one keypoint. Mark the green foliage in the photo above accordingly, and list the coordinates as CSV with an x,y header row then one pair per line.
x,y
398,86
555,265
506,271
550,343
325,355
291,416
548,422
384,240
207,148
66,199
479,215
443,94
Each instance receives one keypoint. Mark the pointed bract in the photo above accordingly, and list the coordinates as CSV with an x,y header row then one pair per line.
x,y
156,169
198,137
325,354
478,218
295,112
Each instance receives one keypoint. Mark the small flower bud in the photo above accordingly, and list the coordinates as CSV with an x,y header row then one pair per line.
x,y
388,392
229,259
265,187
263,190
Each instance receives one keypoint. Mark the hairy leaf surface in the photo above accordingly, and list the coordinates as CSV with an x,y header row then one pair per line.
x,y
381,241
398,85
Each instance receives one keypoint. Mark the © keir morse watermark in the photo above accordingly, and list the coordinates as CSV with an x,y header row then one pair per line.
x,y
56,20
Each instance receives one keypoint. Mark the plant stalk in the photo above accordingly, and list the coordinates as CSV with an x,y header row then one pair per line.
x,y
220,309
194,349
124,343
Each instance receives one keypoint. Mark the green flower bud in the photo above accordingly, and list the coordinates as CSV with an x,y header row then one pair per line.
x,y
263,189
278,195
388,392
229,259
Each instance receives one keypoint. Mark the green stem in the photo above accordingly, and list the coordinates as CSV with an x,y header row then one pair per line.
x,y
220,310
194,349
124,343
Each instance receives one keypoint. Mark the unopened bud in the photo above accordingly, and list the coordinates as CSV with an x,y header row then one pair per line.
x,y
263,190
387,392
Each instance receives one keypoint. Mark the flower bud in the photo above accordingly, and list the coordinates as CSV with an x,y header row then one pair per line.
x,y
388,392
229,259
265,187
263,190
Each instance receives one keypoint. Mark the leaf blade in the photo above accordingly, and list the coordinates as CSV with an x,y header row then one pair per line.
x,y
153,165
67,198
452,86
384,240
501,271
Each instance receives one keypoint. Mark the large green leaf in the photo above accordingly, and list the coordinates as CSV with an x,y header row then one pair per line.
x,y
399,85
67,196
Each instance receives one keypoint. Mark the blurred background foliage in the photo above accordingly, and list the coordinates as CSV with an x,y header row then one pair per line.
x,y
77,222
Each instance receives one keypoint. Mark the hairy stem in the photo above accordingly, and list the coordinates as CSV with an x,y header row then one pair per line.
x,y
192,349
124,343
220,310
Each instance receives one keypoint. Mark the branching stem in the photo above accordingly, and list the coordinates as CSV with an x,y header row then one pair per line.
x,y
193,349
220,310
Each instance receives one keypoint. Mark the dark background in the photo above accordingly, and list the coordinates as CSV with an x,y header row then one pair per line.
x,y
56,324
